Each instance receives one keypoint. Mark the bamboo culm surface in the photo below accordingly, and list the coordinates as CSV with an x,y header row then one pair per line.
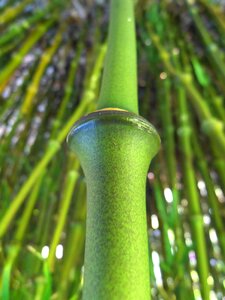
x,y
85,222
116,248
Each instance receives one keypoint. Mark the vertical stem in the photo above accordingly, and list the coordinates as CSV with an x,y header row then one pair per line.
x,y
184,135
119,84
115,148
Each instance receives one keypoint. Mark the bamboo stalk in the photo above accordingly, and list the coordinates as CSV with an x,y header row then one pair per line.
x,y
68,92
160,204
119,86
19,236
34,85
217,13
54,145
75,243
17,30
176,268
116,252
212,198
12,12
218,163
71,180
213,52
184,134
210,125
17,59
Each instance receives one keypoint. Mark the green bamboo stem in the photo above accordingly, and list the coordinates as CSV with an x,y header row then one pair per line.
x,y
17,30
12,12
34,85
184,134
173,264
176,266
210,125
119,83
52,149
9,104
218,163
212,198
213,51
205,77
196,219
169,145
214,100
5,144
9,69
168,130
44,288
6,49
43,208
116,252
54,145
75,242
219,109
160,204
71,180
5,191
71,262
114,265
27,104
217,13
67,93
19,236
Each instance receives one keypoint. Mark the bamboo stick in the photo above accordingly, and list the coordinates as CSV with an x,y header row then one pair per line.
x,y
210,125
212,198
17,30
184,134
75,243
213,52
17,59
217,13
119,88
34,85
19,236
54,145
68,92
116,251
12,12
71,180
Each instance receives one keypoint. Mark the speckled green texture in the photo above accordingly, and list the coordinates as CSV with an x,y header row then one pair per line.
x,y
115,149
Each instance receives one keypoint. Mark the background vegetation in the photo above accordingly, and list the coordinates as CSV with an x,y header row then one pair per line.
x,y
51,59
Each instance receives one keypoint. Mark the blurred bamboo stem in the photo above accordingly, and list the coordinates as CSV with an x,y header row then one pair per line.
x,y
210,125
212,198
71,180
217,14
9,69
75,244
19,236
196,219
213,52
34,85
54,145
105,143
68,92
12,12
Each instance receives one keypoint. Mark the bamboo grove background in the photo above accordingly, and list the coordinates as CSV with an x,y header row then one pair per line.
x,y
51,59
